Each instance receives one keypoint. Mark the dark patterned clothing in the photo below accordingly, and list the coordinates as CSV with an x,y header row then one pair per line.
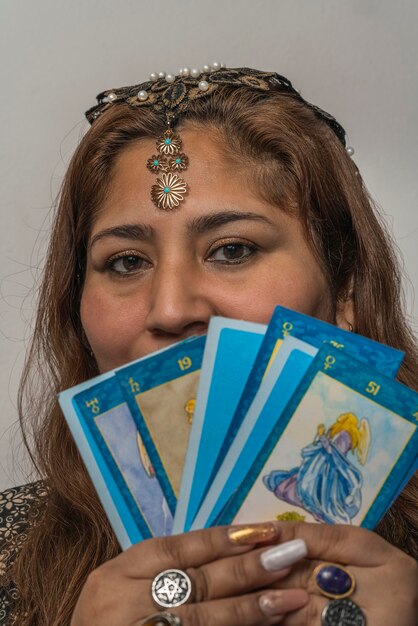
x,y
19,509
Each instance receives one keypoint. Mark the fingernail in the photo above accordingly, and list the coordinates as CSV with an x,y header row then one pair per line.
x,y
271,603
255,533
283,555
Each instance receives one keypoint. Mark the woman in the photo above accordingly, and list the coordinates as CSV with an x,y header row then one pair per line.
x,y
263,207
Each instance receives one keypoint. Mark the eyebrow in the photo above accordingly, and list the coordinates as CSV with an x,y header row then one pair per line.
x,y
206,223
125,231
198,225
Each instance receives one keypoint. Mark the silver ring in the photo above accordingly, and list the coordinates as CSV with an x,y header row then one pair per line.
x,y
162,619
171,588
343,612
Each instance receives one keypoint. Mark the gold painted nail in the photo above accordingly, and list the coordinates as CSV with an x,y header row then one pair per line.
x,y
271,603
255,533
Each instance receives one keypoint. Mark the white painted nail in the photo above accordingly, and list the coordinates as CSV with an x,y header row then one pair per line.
x,y
283,555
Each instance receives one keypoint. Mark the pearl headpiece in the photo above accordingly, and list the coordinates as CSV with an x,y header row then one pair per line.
x,y
170,94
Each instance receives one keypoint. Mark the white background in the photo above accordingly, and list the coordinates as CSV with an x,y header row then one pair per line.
x,y
356,59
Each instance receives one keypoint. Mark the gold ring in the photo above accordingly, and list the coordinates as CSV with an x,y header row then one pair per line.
x,y
334,581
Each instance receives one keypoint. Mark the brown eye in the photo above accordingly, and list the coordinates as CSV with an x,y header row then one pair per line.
x,y
131,263
127,264
232,253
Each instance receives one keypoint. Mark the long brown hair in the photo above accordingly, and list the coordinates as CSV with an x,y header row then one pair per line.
x,y
297,163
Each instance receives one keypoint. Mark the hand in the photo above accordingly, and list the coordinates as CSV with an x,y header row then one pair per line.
x,y
386,578
231,587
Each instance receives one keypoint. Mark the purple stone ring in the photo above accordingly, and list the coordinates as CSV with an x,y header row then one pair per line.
x,y
333,581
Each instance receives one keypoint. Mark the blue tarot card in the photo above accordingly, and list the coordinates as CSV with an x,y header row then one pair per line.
x,y
161,392
344,443
117,510
286,322
290,364
230,350
106,414
408,476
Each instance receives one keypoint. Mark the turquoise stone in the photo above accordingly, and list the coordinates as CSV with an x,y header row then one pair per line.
x,y
166,189
334,581
178,161
155,162
168,141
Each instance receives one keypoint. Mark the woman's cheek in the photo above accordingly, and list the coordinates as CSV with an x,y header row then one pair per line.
x,y
113,328
293,287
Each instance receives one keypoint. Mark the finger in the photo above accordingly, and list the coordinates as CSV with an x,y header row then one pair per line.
x,y
230,576
302,575
260,609
339,543
308,614
243,573
193,549
311,615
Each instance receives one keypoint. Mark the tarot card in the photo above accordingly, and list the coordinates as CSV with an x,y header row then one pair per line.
x,y
106,414
343,444
230,350
118,512
285,322
161,392
290,364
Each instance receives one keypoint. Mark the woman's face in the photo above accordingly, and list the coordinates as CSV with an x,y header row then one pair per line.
x,y
155,277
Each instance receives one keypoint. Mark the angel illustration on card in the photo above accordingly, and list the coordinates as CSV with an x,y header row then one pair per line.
x,y
327,483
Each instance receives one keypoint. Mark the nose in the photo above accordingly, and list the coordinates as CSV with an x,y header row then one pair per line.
x,y
178,305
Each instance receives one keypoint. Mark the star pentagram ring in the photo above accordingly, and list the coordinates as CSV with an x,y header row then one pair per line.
x,y
171,588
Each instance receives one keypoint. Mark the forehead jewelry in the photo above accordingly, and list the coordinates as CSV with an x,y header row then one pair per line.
x,y
170,188
169,95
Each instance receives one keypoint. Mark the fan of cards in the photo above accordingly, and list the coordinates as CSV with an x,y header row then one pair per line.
x,y
297,420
